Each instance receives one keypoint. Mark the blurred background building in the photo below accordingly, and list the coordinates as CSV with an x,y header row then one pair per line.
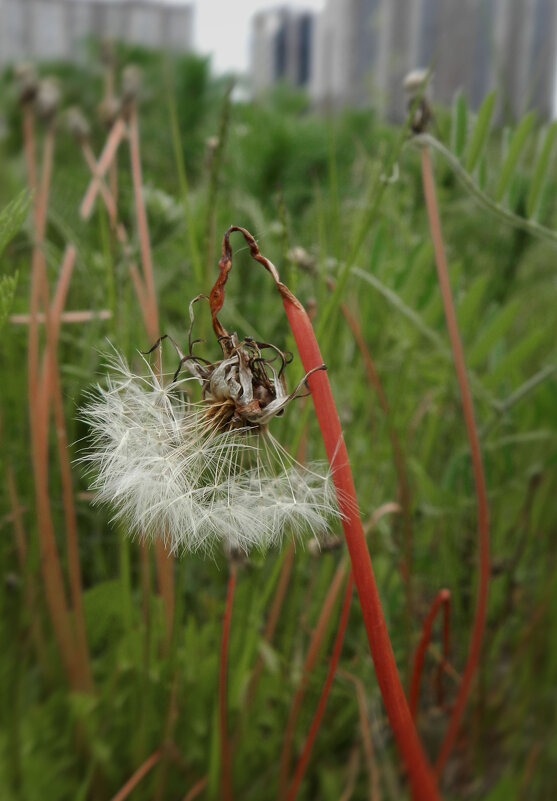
x,y
361,50
55,29
353,52
282,46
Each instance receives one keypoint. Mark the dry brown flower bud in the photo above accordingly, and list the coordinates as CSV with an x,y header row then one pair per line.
x,y
77,124
27,82
131,83
48,99
108,111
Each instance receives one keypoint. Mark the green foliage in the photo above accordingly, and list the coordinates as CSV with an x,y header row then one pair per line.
x,y
12,218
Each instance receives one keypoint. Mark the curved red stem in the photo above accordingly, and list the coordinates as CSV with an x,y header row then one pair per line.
x,y
442,600
420,776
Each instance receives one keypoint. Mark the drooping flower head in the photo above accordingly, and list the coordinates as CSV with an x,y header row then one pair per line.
x,y
199,474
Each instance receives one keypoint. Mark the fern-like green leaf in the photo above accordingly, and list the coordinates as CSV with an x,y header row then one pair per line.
x,y
481,132
8,284
516,145
12,218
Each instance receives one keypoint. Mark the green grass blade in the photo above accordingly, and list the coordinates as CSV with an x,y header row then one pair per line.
x,y
469,306
541,170
481,132
492,333
516,147
516,357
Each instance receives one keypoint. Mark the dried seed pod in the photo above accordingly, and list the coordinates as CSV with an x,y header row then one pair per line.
x,y
77,124
108,111
47,99
108,56
27,82
131,84
299,255
416,84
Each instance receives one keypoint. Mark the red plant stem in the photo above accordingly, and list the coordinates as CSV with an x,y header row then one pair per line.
x,y
143,229
398,459
474,649
29,147
134,780
420,776
113,140
164,560
442,600
197,788
226,767
51,389
384,509
311,658
272,620
316,722
38,420
374,792
65,317
30,590
107,194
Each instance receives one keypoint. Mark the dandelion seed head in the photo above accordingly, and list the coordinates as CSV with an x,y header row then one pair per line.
x,y
200,475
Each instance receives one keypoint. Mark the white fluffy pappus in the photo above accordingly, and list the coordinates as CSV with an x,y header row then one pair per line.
x,y
158,459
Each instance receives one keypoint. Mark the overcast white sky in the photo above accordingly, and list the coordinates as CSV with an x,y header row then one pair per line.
x,y
222,28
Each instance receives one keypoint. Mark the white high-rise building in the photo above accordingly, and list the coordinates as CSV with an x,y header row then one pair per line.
x,y
55,29
363,49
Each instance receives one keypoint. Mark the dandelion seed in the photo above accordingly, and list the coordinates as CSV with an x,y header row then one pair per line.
x,y
206,473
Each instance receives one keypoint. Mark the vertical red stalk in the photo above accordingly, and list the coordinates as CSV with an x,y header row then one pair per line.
x,y
272,620
374,792
226,767
386,508
311,657
320,711
38,416
442,600
399,464
420,776
163,559
51,389
474,649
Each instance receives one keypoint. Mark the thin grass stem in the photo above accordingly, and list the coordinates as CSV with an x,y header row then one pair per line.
x,y
226,766
474,649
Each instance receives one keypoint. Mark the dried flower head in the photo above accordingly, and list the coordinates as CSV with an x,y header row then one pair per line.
x,y
208,472
47,99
